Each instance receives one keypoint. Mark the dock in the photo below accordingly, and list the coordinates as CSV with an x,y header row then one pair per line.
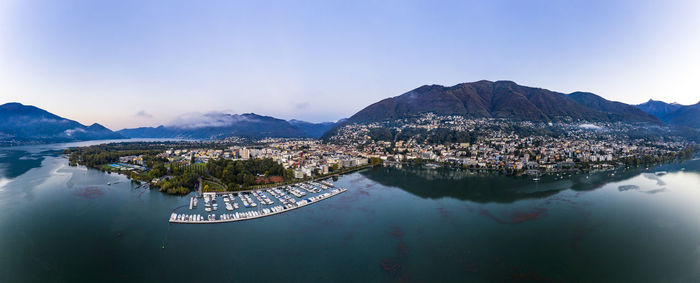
x,y
248,215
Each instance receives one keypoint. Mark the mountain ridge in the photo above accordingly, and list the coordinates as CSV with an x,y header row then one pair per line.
x,y
673,113
500,99
21,123
220,125
480,99
688,116
658,108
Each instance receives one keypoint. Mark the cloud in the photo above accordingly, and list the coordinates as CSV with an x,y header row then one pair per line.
x,y
70,132
210,119
590,127
302,105
143,114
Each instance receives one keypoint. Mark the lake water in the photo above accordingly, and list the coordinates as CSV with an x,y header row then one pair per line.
x,y
65,224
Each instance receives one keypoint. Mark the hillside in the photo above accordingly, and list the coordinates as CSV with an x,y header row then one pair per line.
x,y
688,116
615,111
658,108
28,124
501,99
313,130
219,125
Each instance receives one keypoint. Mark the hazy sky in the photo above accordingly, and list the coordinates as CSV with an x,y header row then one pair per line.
x,y
142,63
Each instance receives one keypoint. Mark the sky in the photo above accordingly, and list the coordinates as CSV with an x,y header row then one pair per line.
x,y
127,63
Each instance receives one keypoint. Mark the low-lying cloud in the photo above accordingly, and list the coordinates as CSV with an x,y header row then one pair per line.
x,y
143,114
71,132
212,119
590,127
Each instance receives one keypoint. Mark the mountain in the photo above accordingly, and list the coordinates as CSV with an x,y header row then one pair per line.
x,y
314,130
688,116
219,125
615,111
673,113
500,99
658,108
28,124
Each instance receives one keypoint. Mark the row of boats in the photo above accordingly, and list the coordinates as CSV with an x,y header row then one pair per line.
x,y
229,217
210,202
247,200
185,217
262,198
295,191
281,196
229,202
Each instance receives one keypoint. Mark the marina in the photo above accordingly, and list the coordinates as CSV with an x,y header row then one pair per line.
x,y
255,204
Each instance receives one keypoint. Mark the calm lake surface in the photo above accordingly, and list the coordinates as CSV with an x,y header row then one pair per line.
x,y
65,224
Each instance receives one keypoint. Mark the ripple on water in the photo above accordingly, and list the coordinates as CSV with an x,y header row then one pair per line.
x,y
89,192
3,182
627,188
515,216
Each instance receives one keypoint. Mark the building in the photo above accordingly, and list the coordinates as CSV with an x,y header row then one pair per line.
x,y
244,153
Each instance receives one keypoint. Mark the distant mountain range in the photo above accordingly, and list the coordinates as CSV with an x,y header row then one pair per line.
x,y
673,113
314,130
28,124
658,108
501,99
222,125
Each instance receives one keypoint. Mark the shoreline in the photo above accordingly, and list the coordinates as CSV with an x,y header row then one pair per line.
x,y
271,186
550,172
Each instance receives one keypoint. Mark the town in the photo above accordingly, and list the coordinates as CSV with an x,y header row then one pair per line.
x,y
509,146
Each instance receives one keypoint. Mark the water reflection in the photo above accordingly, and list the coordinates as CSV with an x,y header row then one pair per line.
x,y
14,163
17,160
435,183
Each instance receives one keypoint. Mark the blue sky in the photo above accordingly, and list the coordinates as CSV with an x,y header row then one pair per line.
x,y
142,63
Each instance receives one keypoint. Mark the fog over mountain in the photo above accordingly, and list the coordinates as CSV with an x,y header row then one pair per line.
x,y
215,125
212,119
